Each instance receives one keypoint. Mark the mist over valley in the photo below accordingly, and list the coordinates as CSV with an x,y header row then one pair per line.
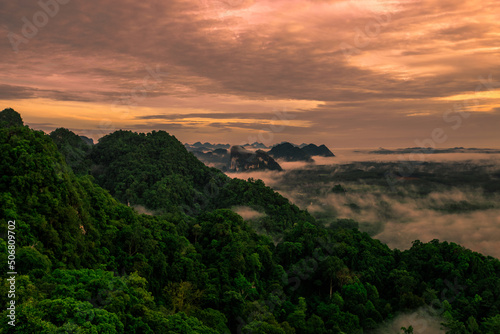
x,y
452,196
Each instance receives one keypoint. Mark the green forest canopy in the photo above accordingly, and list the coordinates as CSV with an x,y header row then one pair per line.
x,y
89,263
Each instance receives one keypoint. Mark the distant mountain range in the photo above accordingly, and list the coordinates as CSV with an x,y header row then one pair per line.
x,y
244,160
254,156
206,146
321,150
304,152
427,150
289,152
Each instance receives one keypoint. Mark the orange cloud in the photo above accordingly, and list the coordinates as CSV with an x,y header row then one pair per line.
x,y
404,57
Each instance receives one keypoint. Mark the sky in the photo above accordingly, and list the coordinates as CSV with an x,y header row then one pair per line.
x,y
346,73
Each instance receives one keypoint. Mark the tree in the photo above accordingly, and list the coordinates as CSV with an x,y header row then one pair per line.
x,y
492,325
184,296
298,318
315,325
9,117
88,263
331,267
408,330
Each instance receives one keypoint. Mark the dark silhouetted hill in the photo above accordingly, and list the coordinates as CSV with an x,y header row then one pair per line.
x,y
243,160
321,150
9,117
289,152
74,148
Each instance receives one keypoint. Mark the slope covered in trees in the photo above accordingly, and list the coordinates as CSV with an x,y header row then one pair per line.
x,y
9,117
156,171
74,148
88,263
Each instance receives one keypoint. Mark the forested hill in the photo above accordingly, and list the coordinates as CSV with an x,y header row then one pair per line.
x,y
74,148
87,263
156,171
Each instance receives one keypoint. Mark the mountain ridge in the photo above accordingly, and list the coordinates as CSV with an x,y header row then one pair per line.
x,y
88,263
244,160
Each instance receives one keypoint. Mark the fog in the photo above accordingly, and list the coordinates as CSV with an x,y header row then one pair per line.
x,y
142,210
248,213
270,178
420,320
479,231
348,155
398,223
463,213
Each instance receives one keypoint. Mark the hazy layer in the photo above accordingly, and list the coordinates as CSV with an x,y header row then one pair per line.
x,y
464,213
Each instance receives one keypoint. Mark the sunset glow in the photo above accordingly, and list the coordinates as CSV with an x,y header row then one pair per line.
x,y
336,66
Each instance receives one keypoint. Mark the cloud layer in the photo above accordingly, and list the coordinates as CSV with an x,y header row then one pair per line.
x,y
351,71
453,211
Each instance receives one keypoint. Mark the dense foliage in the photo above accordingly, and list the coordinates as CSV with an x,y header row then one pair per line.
x,y
74,148
9,117
88,263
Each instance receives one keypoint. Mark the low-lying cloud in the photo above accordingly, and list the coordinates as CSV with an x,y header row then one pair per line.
x,y
247,213
462,213
420,320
